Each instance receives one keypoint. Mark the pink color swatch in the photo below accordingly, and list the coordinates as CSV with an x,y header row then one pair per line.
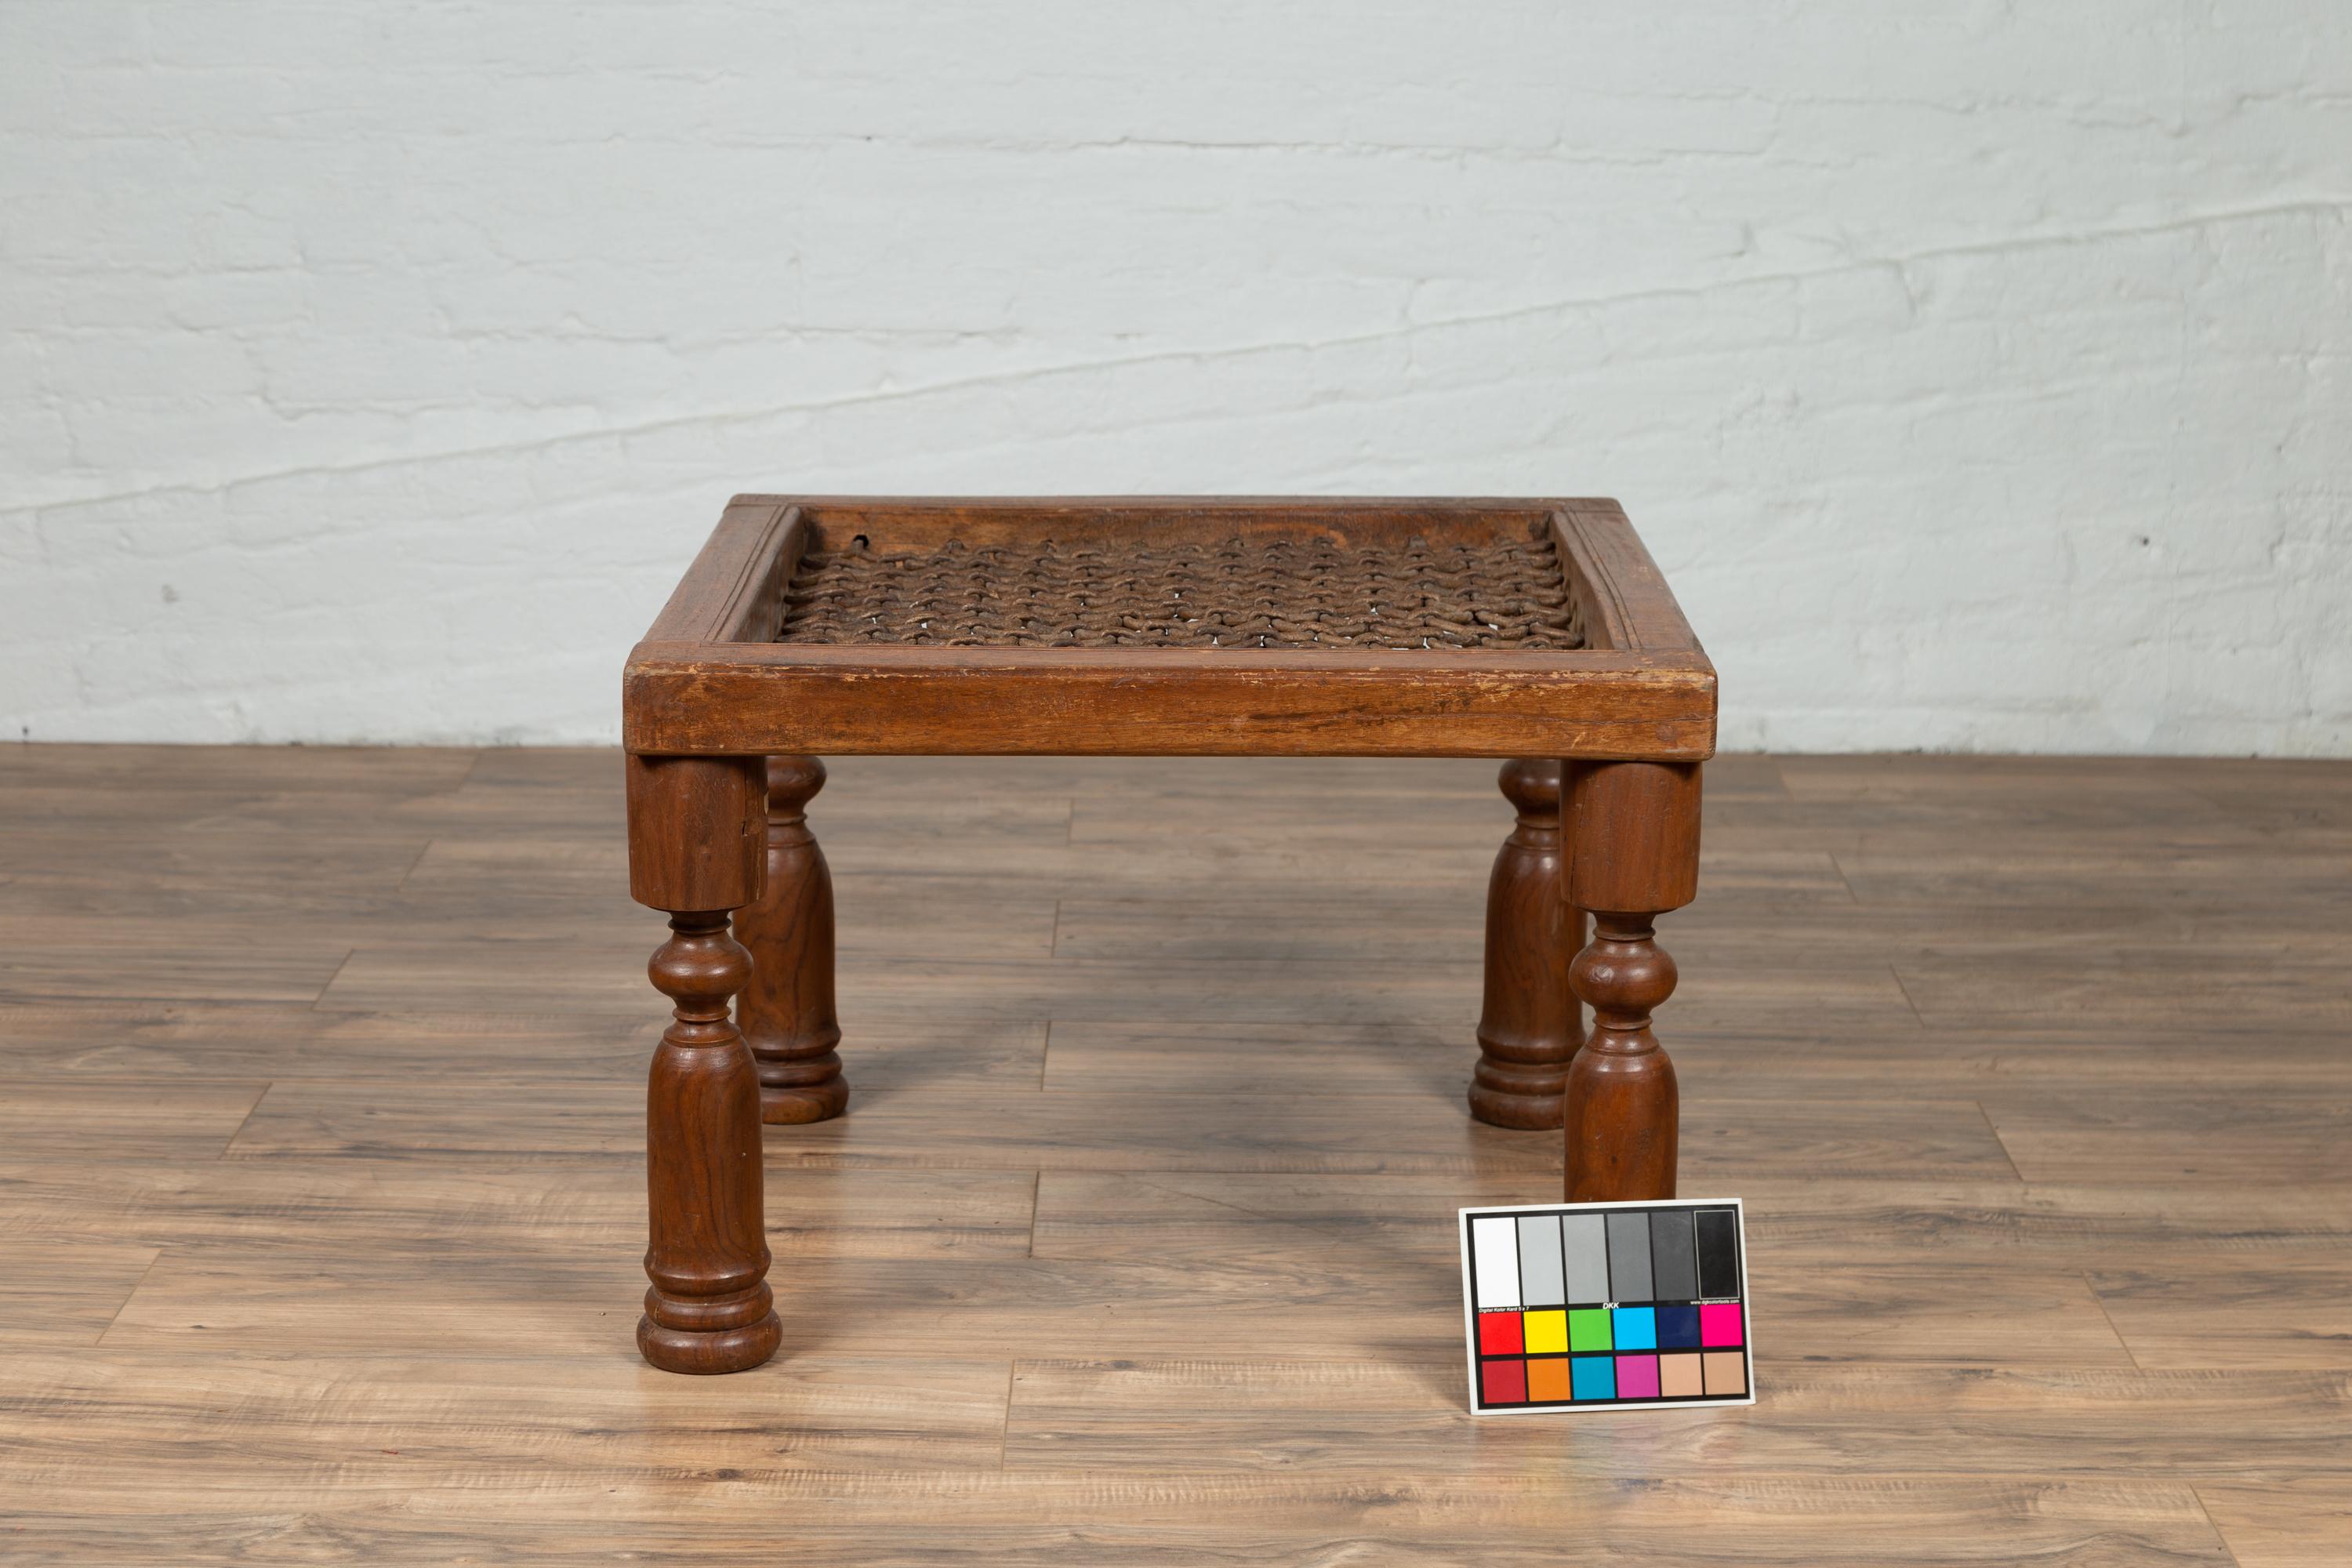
x,y
1720,1325
1637,1377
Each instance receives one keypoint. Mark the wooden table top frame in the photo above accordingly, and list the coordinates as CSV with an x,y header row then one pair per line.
x,y
722,724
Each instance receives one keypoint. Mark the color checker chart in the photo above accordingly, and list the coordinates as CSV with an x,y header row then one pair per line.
x,y
1606,1306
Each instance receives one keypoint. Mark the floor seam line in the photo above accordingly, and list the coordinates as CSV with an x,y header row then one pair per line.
x,y
1916,1016
2001,1143
2109,1318
2213,1523
402,885
1838,867
125,1305
349,954
1005,1433
243,1121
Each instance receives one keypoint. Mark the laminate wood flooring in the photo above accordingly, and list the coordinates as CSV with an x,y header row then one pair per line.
x,y
322,1172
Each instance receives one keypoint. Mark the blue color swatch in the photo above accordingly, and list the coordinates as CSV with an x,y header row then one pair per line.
x,y
1678,1328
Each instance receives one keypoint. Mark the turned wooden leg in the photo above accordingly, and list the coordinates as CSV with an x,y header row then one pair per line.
x,y
1529,1026
1632,831
710,1308
696,849
787,1010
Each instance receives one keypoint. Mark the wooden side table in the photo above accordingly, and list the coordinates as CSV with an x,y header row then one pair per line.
x,y
1537,631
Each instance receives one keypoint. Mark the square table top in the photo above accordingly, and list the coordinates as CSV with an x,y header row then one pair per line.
x,y
1211,625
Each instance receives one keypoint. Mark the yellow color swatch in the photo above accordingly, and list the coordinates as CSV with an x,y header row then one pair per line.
x,y
1547,1331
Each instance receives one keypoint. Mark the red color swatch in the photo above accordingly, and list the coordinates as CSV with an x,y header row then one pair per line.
x,y
1503,1381
1499,1334
1720,1325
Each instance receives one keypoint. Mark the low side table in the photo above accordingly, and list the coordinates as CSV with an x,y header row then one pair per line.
x,y
1534,630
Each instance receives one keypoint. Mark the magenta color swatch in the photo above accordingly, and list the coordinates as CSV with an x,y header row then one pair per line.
x,y
1637,1377
1720,1325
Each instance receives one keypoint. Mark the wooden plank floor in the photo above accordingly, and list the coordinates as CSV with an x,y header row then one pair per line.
x,y
320,1168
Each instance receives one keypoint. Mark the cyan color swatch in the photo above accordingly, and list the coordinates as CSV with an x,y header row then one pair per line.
x,y
1595,1377
1636,1328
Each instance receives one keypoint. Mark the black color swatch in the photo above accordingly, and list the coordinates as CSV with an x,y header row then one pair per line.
x,y
1719,1252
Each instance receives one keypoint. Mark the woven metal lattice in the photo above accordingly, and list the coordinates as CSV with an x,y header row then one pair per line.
x,y
1239,593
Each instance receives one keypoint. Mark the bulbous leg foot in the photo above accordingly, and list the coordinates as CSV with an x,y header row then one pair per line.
x,y
1527,1028
787,1010
707,1353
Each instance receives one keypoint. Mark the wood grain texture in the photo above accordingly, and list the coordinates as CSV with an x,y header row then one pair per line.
x,y
67,1292
709,1308
1403,1518
708,680
786,1012
1631,834
962,1125
1276,1415
698,832
1136,1245
595,1203
1529,1021
734,589
747,699
2298,1523
1629,604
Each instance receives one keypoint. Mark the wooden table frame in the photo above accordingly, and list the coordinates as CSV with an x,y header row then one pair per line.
x,y
722,725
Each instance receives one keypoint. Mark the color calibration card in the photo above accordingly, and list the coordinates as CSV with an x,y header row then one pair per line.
x,y
1606,1306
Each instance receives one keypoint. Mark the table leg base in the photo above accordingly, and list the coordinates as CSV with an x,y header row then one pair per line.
x,y
810,1102
1519,1113
730,1350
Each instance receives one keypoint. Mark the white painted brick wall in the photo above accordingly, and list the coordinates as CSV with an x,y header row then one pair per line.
x,y
368,368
